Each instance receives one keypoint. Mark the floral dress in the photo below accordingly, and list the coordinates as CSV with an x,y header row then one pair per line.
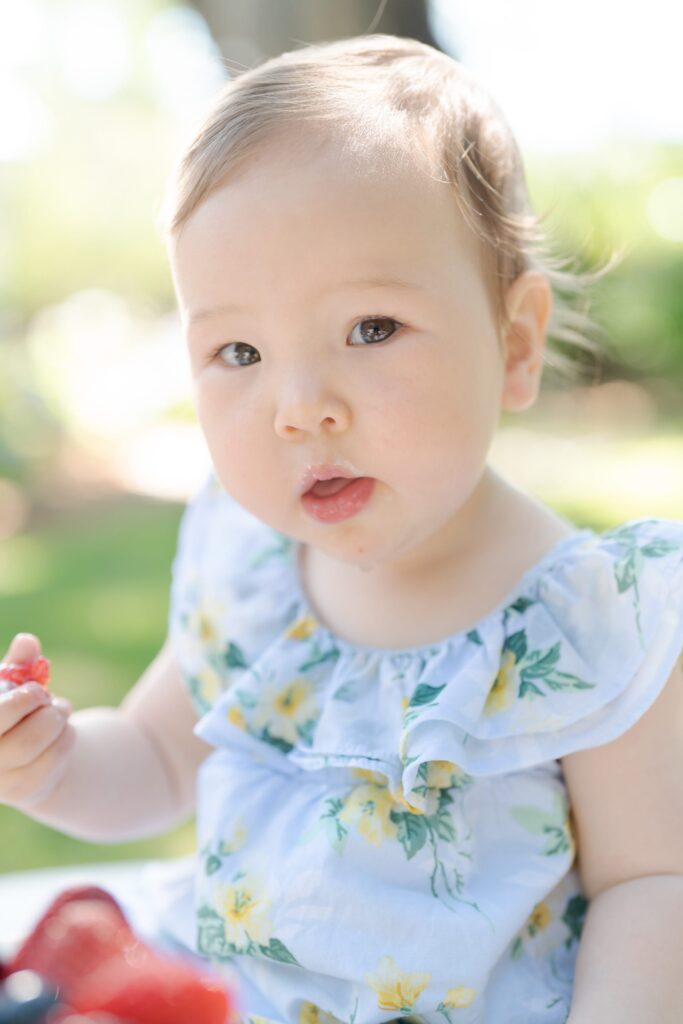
x,y
386,834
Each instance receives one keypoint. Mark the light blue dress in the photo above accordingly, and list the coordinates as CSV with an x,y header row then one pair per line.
x,y
386,834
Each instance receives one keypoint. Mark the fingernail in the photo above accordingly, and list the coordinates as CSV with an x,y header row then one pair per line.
x,y
62,705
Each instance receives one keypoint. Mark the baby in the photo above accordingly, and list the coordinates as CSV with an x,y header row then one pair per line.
x,y
390,673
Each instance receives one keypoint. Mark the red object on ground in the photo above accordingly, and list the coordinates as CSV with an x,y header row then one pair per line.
x,y
37,671
84,945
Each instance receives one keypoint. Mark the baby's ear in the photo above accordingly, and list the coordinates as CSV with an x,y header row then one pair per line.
x,y
528,302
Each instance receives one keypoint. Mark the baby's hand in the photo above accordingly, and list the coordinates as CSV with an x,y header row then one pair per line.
x,y
35,736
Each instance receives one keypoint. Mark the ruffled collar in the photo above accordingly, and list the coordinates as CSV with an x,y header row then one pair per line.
x,y
567,659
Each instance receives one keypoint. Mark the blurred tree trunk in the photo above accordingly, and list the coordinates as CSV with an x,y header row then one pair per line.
x,y
249,31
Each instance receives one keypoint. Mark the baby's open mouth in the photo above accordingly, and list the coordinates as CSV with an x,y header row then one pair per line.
x,y
322,488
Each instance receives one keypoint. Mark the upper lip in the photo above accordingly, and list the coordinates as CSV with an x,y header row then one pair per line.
x,y
325,471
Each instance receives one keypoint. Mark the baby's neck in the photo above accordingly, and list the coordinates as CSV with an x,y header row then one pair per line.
x,y
429,601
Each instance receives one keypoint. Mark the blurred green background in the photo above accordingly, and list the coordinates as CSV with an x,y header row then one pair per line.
x,y
99,447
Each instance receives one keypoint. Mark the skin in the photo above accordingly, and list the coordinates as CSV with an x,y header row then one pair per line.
x,y
264,261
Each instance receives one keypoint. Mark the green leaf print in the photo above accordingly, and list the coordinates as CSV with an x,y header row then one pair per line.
x,y
351,691
337,832
305,732
538,664
574,917
473,635
526,686
553,824
628,569
442,824
276,950
521,604
534,819
234,656
425,694
658,547
516,643
211,935
212,864
276,741
247,700
564,681
195,688
411,831
318,658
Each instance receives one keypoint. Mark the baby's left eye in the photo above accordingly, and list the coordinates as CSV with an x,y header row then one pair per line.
x,y
375,329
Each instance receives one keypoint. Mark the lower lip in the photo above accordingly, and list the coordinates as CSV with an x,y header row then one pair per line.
x,y
342,505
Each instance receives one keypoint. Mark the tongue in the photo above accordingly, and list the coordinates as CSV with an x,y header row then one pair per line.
x,y
322,488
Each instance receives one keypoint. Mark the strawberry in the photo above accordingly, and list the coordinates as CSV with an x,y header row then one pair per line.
x,y
84,945
37,671
82,928
149,989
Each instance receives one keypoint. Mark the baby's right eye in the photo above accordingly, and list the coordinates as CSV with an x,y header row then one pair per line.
x,y
238,347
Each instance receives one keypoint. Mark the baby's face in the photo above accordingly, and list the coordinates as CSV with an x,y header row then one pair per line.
x,y
336,317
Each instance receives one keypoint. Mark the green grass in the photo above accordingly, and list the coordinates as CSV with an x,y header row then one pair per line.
x,y
95,590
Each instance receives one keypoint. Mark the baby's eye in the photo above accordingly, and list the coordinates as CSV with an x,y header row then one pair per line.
x,y
376,328
238,352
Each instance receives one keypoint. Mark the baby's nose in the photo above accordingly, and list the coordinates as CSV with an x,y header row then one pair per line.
x,y
311,414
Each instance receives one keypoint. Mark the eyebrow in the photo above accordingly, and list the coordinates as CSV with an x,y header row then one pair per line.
x,y
376,282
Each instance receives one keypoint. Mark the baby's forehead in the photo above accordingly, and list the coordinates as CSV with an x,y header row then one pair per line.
x,y
309,219
303,181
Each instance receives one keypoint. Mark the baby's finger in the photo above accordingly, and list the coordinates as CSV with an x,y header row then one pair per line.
x,y
27,786
32,736
19,702
24,647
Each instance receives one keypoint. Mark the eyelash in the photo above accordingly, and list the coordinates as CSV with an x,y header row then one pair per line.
x,y
366,319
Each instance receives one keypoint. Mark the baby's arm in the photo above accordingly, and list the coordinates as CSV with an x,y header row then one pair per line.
x,y
127,772
627,798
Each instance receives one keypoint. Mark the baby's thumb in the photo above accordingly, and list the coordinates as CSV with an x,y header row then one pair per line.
x,y
24,647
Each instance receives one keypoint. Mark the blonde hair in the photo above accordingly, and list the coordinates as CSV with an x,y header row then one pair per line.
x,y
380,97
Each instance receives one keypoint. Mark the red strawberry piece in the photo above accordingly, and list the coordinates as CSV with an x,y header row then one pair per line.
x,y
84,945
146,988
82,928
37,671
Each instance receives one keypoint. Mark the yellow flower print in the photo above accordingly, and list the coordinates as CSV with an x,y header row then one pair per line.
x,y
283,709
539,918
503,690
405,701
440,774
399,796
458,998
378,778
302,628
368,809
235,716
202,622
210,685
309,1013
397,990
244,911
